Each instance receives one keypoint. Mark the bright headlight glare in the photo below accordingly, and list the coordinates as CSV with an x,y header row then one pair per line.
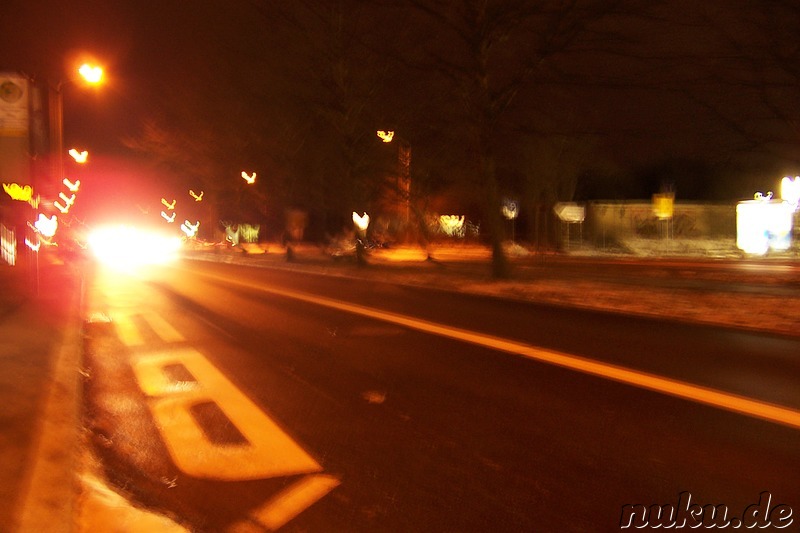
x,y
126,247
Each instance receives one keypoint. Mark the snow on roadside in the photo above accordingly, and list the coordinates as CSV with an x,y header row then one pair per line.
x,y
769,313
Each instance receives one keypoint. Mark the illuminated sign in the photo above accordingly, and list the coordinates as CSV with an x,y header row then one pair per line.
x,y
510,209
663,205
23,193
763,224
570,212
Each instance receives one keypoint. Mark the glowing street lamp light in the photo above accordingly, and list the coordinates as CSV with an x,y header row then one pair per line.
x,y
91,73
404,161
361,221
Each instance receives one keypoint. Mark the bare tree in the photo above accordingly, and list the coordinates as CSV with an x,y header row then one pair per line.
x,y
490,51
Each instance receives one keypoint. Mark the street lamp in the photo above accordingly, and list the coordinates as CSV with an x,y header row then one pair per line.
x,y
92,75
404,161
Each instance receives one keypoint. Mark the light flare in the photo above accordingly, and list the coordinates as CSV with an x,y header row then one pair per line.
x,y
127,248
385,136
79,157
92,74
361,221
23,193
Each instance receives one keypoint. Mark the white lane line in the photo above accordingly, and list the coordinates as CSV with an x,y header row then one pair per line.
x,y
708,396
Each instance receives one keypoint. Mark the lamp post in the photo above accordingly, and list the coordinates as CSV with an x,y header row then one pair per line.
x,y
404,163
92,75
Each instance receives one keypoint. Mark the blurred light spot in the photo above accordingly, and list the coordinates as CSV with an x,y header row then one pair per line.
x,y
125,247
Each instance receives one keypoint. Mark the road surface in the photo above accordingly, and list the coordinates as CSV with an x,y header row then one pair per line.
x,y
251,399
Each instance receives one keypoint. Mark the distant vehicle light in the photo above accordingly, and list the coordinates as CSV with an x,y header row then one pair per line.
x,y
126,247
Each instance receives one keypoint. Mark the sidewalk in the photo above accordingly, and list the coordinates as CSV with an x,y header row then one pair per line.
x,y
39,400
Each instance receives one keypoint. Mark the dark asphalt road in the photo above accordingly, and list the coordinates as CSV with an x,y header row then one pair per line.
x,y
374,424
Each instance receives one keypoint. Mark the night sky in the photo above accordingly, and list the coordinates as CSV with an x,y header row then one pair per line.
x,y
699,96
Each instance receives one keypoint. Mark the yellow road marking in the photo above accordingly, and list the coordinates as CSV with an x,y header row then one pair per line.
x,y
162,328
293,500
127,331
269,451
131,336
708,396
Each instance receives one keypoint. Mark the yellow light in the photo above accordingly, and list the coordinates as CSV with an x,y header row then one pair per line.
x,y
23,193
452,224
361,222
189,229
34,247
92,74
46,226
69,200
169,206
79,157
250,179
197,197
73,187
385,136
